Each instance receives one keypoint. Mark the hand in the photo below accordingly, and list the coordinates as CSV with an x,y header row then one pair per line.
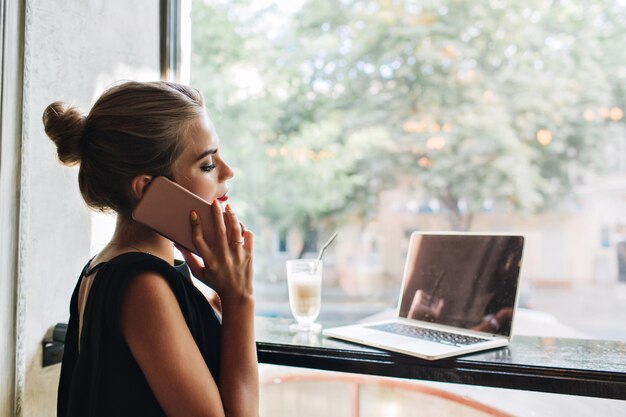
x,y
228,266
492,323
216,303
425,307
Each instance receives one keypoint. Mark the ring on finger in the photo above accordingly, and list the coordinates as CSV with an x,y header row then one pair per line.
x,y
236,242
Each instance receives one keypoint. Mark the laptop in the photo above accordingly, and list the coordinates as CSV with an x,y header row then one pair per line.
x,y
459,293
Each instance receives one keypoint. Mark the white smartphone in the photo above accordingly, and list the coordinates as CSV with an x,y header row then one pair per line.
x,y
165,207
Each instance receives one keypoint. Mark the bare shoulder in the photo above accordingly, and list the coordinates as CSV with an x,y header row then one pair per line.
x,y
147,285
148,297
153,325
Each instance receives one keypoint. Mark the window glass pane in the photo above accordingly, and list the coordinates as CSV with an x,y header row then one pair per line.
x,y
379,118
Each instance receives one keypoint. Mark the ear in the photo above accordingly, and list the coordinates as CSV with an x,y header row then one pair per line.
x,y
139,183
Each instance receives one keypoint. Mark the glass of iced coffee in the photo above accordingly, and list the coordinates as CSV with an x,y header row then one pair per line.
x,y
304,279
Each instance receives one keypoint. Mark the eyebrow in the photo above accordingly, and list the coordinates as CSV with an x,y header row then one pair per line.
x,y
207,152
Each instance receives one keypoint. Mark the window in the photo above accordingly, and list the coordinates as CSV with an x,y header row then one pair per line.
x,y
376,118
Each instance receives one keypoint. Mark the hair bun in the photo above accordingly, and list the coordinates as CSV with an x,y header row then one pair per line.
x,y
65,127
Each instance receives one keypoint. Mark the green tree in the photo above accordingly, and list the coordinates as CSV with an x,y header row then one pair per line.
x,y
290,169
485,101
475,103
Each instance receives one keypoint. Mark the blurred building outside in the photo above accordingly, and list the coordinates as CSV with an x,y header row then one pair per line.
x,y
569,256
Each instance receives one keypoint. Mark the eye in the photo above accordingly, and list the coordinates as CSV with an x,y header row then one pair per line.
x,y
207,168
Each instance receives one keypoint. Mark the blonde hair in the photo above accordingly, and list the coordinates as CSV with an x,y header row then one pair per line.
x,y
133,129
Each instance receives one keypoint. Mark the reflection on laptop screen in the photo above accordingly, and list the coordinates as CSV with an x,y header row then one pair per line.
x,y
467,281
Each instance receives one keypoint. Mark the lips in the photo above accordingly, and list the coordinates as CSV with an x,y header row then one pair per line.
x,y
223,198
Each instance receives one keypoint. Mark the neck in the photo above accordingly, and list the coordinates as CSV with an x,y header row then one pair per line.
x,y
130,235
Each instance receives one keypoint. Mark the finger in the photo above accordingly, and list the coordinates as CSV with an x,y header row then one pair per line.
x,y
248,242
181,249
221,240
216,302
192,262
235,233
248,258
197,237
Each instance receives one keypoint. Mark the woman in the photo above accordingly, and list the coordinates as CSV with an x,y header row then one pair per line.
x,y
142,340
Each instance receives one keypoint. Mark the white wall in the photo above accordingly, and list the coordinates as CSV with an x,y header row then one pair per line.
x,y
73,50
10,125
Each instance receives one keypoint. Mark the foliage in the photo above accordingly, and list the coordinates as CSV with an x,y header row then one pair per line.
x,y
476,103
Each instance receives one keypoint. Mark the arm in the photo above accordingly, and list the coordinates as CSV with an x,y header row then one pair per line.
x,y
239,380
157,334
159,339
227,267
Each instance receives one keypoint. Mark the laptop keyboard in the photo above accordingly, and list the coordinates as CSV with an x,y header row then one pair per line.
x,y
432,335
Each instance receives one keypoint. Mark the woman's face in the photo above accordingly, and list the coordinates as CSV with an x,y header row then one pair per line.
x,y
200,168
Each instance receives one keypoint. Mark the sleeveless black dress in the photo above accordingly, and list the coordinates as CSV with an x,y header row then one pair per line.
x,y
104,379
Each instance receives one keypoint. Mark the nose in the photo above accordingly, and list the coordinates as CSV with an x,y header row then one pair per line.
x,y
226,172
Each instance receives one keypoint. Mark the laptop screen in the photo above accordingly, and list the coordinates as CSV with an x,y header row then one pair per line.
x,y
462,280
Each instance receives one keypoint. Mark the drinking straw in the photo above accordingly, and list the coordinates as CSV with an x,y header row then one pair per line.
x,y
328,242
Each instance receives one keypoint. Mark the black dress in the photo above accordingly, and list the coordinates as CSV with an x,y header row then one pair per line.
x,y
104,379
